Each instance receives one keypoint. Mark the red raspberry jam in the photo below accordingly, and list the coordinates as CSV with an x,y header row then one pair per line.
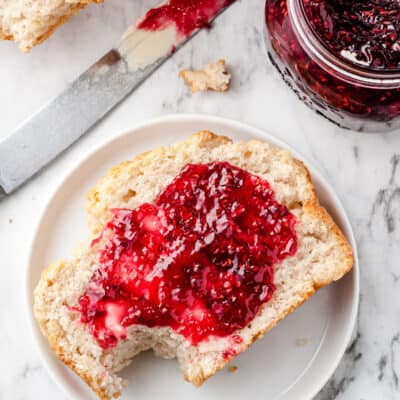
x,y
186,15
341,57
199,260
359,31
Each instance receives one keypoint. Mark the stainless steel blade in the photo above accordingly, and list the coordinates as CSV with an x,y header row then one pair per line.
x,y
66,118
62,121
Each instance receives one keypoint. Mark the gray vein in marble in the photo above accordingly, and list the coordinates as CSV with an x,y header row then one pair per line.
x,y
356,153
388,199
382,366
393,345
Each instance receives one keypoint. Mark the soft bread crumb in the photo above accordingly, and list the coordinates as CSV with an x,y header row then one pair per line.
x,y
213,77
30,22
323,256
301,342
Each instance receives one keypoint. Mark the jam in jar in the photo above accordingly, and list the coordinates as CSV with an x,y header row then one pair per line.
x,y
341,57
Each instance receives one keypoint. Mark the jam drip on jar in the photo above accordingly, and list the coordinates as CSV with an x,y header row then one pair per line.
x,y
186,15
199,260
363,32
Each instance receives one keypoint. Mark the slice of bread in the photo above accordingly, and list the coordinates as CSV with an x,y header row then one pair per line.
x,y
323,256
30,22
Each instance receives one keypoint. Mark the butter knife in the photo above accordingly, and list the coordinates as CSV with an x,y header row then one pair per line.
x,y
88,99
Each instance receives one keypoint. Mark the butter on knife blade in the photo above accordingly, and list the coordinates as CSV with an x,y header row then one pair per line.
x,y
141,48
62,121
162,29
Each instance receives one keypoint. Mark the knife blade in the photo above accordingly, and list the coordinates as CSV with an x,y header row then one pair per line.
x,y
88,99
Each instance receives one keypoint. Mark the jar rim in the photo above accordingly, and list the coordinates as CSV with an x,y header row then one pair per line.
x,y
326,59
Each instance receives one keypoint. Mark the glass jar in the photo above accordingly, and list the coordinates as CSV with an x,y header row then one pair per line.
x,y
351,76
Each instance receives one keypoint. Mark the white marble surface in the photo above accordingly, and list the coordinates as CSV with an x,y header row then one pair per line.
x,y
364,169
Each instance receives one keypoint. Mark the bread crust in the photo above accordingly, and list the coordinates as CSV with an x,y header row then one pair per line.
x,y
74,10
55,333
314,208
101,198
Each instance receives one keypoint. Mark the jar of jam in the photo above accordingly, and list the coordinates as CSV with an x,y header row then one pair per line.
x,y
341,57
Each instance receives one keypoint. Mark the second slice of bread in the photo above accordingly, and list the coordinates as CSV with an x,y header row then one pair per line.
x,y
30,22
323,256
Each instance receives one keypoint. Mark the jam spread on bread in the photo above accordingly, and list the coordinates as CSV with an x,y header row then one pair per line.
x,y
200,259
186,15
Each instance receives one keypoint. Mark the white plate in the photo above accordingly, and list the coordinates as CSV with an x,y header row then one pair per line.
x,y
292,362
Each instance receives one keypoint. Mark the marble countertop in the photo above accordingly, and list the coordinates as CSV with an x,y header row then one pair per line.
x,y
363,168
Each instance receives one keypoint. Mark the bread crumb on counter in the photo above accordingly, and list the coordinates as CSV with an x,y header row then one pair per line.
x,y
233,368
301,342
213,77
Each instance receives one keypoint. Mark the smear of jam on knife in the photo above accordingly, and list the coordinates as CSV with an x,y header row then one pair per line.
x,y
186,15
200,259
